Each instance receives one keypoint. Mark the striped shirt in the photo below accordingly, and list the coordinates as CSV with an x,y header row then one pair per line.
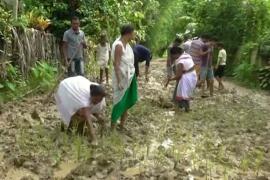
x,y
196,47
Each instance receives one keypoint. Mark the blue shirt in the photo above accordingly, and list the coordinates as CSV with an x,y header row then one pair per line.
x,y
141,54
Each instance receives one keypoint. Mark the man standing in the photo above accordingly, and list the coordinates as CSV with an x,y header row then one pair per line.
x,y
196,52
74,43
141,54
220,66
187,43
206,70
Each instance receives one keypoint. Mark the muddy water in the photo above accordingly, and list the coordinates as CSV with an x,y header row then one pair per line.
x,y
65,168
224,137
18,174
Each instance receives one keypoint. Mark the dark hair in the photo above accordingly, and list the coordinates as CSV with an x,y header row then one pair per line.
x,y
97,90
75,18
126,29
220,44
215,39
176,50
178,40
205,36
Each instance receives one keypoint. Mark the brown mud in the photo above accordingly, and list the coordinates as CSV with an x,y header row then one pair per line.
x,y
223,137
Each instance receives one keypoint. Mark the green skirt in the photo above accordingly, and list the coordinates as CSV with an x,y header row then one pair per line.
x,y
128,100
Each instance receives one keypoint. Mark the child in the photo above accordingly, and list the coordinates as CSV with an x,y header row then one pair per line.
x,y
186,75
220,66
103,57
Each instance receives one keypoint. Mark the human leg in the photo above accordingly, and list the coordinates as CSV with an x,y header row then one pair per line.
x,y
107,75
123,119
203,77
79,67
210,79
100,75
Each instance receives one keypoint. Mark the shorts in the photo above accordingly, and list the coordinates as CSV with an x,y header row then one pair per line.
x,y
103,64
207,73
220,71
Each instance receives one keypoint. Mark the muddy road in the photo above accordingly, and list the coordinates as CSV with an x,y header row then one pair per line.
x,y
223,137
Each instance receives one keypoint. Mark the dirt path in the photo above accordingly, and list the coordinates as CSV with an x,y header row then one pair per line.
x,y
224,137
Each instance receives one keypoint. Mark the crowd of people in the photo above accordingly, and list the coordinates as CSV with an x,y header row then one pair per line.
x,y
80,102
195,57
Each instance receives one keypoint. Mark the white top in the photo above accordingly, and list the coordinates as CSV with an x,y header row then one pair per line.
x,y
222,57
73,94
186,60
103,52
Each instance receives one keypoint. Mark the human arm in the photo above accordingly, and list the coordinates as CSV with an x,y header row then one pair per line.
x,y
83,43
65,48
204,50
179,73
86,114
147,65
117,61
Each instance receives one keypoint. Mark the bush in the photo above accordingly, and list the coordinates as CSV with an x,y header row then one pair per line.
x,y
42,76
264,77
13,85
247,74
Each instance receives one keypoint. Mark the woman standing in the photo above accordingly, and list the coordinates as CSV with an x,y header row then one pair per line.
x,y
186,74
124,79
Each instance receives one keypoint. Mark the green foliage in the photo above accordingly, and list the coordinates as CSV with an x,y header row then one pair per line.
x,y
97,16
247,74
264,77
5,22
43,76
13,85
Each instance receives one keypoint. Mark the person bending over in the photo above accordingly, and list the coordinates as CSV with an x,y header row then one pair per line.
x,y
185,76
142,54
78,100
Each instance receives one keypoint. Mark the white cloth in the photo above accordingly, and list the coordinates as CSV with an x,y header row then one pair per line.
x,y
73,94
222,57
127,70
187,46
103,55
188,81
186,60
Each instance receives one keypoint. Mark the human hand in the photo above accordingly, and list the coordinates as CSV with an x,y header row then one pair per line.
x,y
167,83
120,86
84,45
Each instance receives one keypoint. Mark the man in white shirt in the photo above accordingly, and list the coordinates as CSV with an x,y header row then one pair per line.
x,y
220,66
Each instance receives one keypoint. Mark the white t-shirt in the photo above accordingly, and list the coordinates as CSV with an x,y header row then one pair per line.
x,y
186,60
103,52
73,94
222,57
